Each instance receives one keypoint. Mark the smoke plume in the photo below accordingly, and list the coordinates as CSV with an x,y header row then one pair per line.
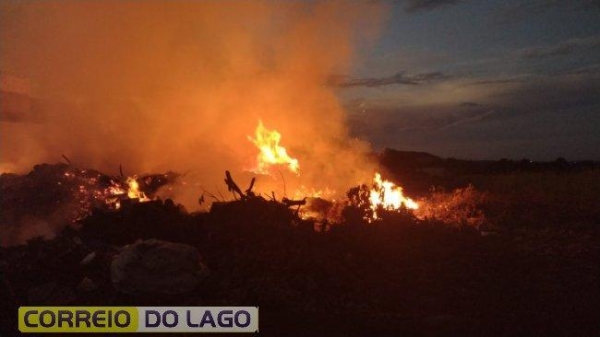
x,y
180,85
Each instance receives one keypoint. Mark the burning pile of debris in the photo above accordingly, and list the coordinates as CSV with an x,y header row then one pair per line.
x,y
51,196
95,215
113,240
252,249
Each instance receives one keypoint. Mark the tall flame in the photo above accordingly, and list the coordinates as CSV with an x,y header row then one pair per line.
x,y
387,195
271,153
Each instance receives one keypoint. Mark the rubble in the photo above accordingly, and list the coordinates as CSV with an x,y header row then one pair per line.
x,y
157,267
51,197
87,285
51,293
401,270
88,259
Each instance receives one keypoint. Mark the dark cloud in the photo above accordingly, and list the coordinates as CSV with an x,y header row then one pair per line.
x,y
565,91
540,135
593,69
521,10
365,119
543,117
413,6
399,78
470,104
564,48
497,81
552,93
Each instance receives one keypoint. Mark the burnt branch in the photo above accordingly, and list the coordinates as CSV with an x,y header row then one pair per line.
x,y
219,192
249,190
66,159
290,202
209,194
283,180
232,186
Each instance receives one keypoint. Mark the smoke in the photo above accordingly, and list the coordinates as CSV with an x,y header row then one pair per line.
x,y
180,85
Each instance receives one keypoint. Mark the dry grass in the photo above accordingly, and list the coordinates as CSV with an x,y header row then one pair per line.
x,y
460,207
519,200
543,199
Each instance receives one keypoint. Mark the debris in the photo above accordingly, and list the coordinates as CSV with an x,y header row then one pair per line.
x,y
134,220
51,293
86,285
157,267
66,159
88,259
233,187
290,202
51,197
249,190
402,270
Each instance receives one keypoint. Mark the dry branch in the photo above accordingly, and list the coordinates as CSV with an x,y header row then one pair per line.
x,y
290,202
249,190
232,186
67,159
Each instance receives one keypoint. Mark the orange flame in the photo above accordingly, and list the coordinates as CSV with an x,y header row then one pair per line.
x,y
133,191
271,153
387,195
116,191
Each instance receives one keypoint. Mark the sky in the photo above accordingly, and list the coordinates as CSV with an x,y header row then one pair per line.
x,y
480,80
484,79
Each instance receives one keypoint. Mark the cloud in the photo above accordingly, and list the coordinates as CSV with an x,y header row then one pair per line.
x,y
399,78
470,104
497,81
521,10
521,111
593,69
413,6
568,47
552,93
534,93
473,118
374,120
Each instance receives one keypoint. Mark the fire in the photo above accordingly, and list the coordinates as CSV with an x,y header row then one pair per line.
x,y
383,195
133,191
94,190
304,191
271,153
118,191
388,196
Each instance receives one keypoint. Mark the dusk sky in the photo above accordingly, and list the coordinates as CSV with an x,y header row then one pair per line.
x,y
481,80
484,79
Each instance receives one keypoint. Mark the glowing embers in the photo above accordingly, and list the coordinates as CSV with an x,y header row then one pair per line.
x,y
271,153
91,189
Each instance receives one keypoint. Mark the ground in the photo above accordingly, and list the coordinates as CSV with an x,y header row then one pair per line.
x,y
531,269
